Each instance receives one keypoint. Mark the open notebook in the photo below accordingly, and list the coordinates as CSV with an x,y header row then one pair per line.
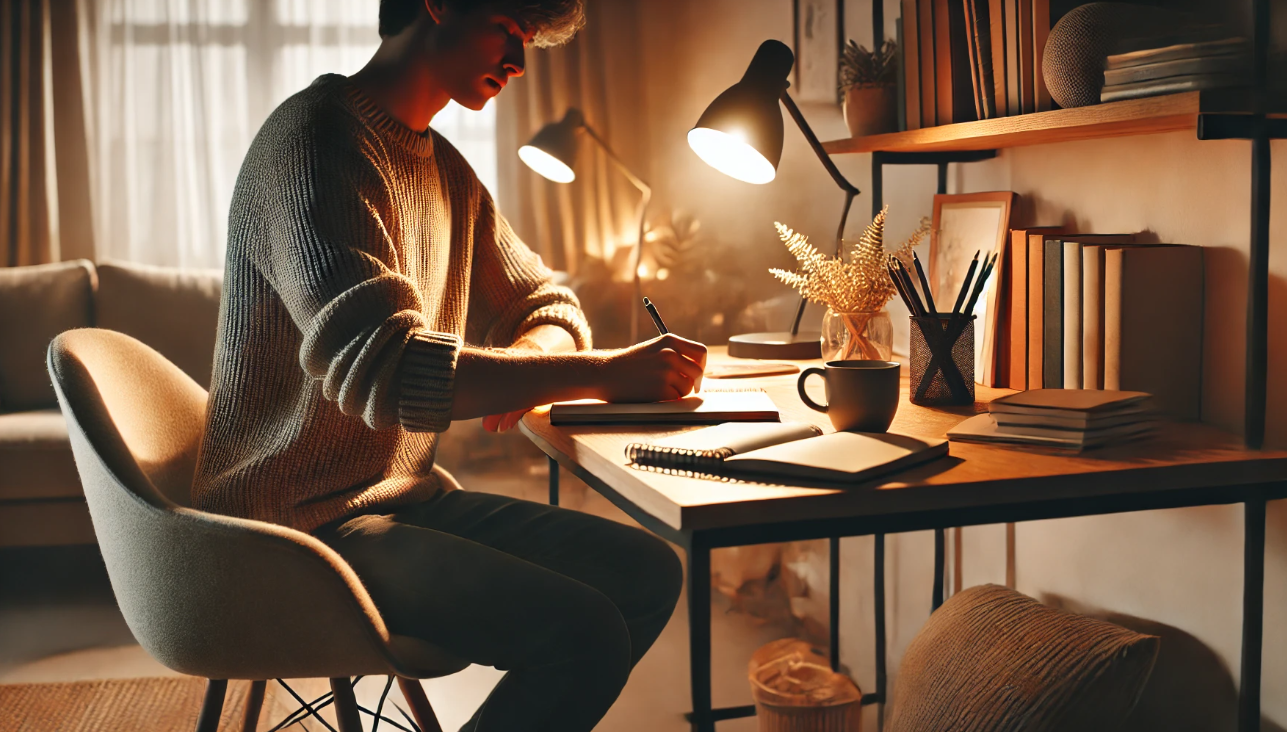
x,y
786,451
707,407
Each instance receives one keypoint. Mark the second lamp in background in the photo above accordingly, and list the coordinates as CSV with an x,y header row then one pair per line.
x,y
552,153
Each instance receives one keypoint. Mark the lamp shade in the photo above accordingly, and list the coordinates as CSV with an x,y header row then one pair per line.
x,y
740,133
552,151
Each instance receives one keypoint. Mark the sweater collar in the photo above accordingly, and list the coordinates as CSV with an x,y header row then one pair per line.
x,y
414,142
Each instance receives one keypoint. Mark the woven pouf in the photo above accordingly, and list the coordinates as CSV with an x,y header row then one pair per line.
x,y
795,690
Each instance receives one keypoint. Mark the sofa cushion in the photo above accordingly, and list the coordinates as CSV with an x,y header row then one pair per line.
x,y
174,311
36,304
36,457
993,659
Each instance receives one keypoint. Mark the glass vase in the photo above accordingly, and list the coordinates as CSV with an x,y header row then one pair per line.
x,y
857,336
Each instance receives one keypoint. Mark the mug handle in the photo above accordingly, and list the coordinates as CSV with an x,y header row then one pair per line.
x,y
805,397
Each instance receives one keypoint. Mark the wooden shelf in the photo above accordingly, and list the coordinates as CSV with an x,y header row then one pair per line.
x,y
1114,119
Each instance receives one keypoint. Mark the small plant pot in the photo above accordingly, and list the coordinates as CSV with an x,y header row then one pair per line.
x,y
871,110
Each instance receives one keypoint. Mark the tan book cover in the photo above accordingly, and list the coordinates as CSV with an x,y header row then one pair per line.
x,y
1027,77
929,78
944,81
996,38
1072,315
1153,311
1040,34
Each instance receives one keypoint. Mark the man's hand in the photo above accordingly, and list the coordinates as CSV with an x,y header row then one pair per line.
x,y
666,367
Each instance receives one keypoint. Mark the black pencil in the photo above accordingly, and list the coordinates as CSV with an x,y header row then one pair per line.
x,y
921,312
898,285
965,285
920,274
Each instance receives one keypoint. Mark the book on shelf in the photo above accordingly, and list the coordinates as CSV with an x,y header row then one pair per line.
x,y
1027,74
1014,102
1040,33
997,40
1153,313
1016,305
1233,65
929,80
786,452
911,66
901,76
1235,47
1092,316
1055,306
707,407
1172,85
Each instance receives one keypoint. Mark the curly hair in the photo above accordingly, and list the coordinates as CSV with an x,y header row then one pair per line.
x,y
555,21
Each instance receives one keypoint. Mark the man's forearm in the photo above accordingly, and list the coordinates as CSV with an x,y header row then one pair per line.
x,y
548,338
498,381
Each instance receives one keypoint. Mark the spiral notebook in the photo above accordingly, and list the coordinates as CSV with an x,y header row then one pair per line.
x,y
786,451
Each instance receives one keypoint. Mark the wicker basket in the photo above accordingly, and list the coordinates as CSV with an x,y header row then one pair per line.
x,y
795,690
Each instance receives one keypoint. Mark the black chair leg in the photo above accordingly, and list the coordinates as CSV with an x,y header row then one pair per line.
x,y
346,708
254,703
212,707
414,693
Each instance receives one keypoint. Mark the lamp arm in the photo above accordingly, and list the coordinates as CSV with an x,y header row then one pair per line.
x,y
646,190
827,163
850,189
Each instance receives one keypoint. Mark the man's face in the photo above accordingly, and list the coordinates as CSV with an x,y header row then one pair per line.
x,y
476,52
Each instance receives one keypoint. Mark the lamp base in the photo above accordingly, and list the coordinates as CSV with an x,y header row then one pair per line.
x,y
805,345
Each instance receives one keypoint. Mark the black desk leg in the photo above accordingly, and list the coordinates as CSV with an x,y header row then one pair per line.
x,y
1253,614
834,610
881,689
940,562
699,635
554,482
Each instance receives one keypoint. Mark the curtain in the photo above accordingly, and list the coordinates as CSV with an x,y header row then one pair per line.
x,y
596,216
176,90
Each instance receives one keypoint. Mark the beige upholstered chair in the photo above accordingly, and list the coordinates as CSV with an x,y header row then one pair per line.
x,y
208,595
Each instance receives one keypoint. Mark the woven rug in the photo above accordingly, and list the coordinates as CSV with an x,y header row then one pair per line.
x,y
131,705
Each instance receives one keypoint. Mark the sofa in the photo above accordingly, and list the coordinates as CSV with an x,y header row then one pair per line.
x,y
174,311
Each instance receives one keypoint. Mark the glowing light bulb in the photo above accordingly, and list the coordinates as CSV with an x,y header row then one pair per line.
x,y
546,164
731,155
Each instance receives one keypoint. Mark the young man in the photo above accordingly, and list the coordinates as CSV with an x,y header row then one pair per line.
x,y
363,254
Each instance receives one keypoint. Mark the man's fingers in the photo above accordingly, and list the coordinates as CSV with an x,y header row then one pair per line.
x,y
689,349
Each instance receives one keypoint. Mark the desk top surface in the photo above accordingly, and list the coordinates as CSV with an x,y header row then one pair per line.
x,y
1180,456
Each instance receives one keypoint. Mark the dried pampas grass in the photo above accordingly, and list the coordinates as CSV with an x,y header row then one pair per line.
x,y
858,284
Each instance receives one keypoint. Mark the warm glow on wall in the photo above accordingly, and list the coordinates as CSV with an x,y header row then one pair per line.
x,y
731,155
546,164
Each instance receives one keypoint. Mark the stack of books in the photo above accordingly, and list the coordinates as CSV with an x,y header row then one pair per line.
x,y
1070,419
972,59
1101,311
1178,67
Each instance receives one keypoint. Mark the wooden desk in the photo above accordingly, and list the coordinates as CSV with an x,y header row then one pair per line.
x,y
1186,464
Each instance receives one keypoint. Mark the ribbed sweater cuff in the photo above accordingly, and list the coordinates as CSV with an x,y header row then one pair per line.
x,y
566,316
428,382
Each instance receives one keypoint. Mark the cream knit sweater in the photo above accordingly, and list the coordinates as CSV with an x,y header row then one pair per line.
x,y
360,256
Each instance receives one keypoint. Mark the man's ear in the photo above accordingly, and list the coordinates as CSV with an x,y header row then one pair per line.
x,y
436,9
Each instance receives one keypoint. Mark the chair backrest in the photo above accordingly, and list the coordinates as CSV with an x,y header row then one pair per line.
x,y
207,595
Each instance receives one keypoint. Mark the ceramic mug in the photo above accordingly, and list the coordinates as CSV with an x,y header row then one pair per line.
x,y
862,396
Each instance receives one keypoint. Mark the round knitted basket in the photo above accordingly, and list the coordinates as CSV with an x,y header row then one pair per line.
x,y
796,691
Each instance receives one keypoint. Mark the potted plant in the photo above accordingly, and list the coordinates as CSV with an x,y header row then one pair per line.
x,y
868,88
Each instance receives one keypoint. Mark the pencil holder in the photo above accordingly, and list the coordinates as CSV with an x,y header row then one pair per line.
x,y
942,361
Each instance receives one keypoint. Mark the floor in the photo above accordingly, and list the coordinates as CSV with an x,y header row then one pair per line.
x,y
59,622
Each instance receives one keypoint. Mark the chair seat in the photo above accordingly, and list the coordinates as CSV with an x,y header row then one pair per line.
x,y
36,457
425,660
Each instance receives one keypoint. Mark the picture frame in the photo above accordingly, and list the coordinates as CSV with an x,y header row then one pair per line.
x,y
964,224
819,39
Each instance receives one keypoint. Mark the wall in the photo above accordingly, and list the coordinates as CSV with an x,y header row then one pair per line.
x,y
1176,572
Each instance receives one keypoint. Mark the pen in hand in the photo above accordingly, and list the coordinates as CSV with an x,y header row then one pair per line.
x,y
663,330
656,317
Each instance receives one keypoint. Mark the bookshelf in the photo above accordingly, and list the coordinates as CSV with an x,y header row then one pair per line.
x,y
1115,119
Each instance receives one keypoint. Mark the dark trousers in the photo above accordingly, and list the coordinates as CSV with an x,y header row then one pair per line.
x,y
564,602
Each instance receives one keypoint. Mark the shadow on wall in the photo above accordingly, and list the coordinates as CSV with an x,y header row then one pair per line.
x,y
1190,690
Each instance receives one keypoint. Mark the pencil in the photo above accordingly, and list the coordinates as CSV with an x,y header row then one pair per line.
x,y
920,274
917,306
965,285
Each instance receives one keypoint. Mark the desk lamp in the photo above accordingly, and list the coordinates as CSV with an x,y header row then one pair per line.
x,y
740,135
552,153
